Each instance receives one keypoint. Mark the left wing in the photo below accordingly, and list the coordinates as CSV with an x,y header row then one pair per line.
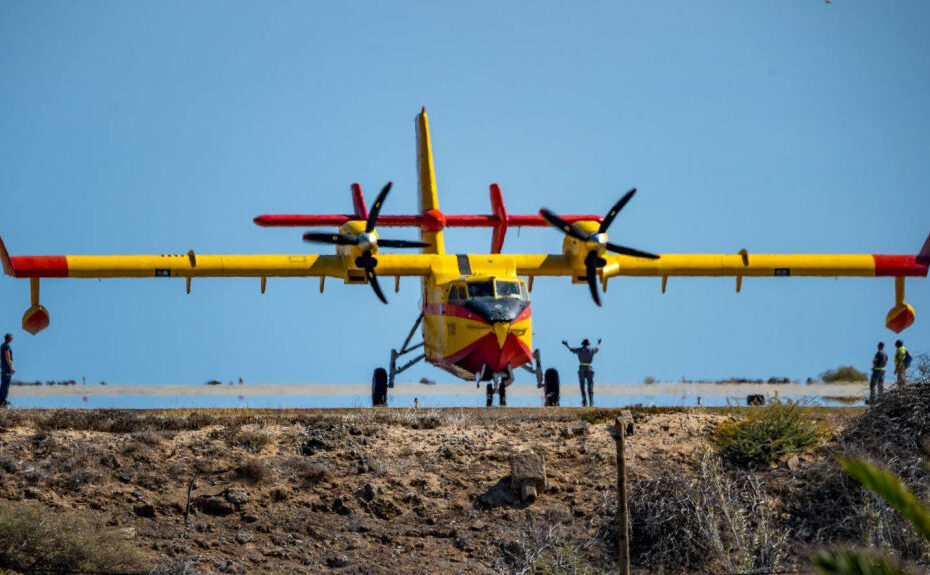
x,y
192,265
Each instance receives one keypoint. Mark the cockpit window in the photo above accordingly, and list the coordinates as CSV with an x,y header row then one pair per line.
x,y
508,289
457,293
480,289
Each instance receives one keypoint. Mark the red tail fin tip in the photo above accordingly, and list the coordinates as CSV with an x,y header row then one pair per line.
x,y
7,262
358,202
923,258
500,214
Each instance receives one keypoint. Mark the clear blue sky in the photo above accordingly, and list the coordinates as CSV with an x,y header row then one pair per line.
x,y
160,127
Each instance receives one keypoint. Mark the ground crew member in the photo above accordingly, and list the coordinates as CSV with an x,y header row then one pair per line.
x,y
585,357
900,362
6,369
878,372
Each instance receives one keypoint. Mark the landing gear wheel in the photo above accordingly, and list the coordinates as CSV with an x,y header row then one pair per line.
x,y
552,387
379,387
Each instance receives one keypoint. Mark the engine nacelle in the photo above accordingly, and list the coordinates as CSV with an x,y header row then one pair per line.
x,y
577,250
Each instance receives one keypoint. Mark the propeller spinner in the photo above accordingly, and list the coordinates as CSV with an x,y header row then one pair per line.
x,y
366,241
593,261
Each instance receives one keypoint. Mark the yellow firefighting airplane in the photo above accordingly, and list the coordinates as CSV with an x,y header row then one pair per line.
x,y
476,309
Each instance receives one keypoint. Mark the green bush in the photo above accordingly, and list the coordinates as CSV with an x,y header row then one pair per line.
x,y
36,538
843,374
767,434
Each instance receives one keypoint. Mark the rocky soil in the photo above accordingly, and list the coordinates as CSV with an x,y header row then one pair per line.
x,y
361,491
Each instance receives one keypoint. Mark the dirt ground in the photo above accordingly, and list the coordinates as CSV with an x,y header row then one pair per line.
x,y
354,491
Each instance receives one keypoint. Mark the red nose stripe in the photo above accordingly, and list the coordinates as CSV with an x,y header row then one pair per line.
x,y
486,352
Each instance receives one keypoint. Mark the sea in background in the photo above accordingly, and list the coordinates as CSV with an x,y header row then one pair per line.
x,y
405,395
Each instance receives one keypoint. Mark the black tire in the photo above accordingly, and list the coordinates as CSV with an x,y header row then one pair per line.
x,y
379,387
551,387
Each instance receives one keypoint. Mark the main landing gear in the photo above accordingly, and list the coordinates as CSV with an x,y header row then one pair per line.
x,y
383,379
547,380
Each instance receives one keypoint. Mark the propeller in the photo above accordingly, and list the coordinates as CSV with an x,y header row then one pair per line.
x,y
366,241
593,261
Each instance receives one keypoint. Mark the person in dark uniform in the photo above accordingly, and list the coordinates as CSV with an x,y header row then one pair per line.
x,y
585,355
878,372
6,369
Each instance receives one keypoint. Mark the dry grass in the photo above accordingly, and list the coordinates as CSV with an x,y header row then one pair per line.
x,y
712,521
33,538
254,470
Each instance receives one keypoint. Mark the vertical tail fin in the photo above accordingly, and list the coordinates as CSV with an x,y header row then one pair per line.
x,y
429,199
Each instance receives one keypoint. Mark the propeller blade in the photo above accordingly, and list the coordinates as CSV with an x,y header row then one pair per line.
x,y
591,262
368,263
401,244
609,218
557,222
376,208
324,238
630,252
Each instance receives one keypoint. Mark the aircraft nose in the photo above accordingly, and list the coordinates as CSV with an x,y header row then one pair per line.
x,y
501,330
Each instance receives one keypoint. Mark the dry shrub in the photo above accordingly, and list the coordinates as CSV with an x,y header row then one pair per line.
x,y
306,471
711,520
251,440
837,510
254,470
36,538
545,547
118,420
176,566
766,434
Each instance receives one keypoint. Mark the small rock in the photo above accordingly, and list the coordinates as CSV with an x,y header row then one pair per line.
x,y
144,510
243,537
367,492
478,525
793,463
109,460
339,506
463,543
237,495
216,506
337,562
312,446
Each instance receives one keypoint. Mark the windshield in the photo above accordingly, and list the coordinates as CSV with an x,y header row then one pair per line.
x,y
480,289
508,289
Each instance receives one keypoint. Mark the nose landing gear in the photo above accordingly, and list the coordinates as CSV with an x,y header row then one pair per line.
x,y
498,384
